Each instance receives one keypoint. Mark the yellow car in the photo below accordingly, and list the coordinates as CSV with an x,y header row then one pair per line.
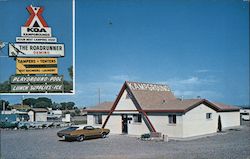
x,y
82,132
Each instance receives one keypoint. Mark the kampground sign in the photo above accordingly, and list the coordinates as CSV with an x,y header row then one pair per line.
x,y
36,53
36,66
36,40
36,50
35,26
36,87
36,79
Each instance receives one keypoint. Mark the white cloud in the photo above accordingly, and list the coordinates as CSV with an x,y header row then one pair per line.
x,y
208,94
192,87
191,80
202,71
122,77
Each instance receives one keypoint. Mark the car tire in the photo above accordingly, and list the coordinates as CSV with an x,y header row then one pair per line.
x,y
80,138
104,135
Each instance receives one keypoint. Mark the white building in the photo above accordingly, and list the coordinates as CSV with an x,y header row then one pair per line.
x,y
54,114
245,114
142,108
37,114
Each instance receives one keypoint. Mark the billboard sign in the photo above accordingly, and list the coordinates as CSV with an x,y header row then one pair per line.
x,y
36,79
36,66
36,50
36,40
35,26
36,87
36,31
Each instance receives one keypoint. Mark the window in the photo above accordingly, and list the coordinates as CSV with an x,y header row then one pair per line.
x,y
137,118
88,128
172,119
72,128
209,115
98,119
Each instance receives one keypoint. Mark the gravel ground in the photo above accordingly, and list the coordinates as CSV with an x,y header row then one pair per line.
x,y
44,144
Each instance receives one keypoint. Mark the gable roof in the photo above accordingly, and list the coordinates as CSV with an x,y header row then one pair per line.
x,y
102,107
160,100
149,97
163,100
225,107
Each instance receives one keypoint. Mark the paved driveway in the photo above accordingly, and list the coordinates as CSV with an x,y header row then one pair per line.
x,y
44,144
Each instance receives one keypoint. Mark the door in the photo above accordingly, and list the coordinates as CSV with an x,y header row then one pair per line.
x,y
219,124
124,124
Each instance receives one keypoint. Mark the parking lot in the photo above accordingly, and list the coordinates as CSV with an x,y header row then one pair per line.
x,y
44,144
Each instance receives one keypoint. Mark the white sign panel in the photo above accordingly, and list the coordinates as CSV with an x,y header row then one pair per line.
x,y
36,50
36,40
36,79
36,87
147,86
36,31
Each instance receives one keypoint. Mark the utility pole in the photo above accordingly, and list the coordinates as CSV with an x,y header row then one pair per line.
x,y
99,95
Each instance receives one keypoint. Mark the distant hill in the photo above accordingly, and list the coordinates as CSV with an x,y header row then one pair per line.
x,y
243,106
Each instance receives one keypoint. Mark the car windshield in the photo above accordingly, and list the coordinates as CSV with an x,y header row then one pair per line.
x,y
72,128
88,128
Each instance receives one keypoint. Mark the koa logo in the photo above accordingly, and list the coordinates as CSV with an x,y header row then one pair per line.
x,y
36,30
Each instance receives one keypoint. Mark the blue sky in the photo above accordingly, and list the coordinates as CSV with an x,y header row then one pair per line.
x,y
198,48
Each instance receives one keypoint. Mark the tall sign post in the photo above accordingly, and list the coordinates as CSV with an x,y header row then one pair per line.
x,y
36,53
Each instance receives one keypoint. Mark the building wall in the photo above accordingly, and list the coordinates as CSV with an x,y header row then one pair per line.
x,y
125,103
195,122
114,124
31,115
41,116
91,120
161,124
136,128
229,119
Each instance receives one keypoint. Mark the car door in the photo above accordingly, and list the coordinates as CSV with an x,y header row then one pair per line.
x,y
90,132
98,132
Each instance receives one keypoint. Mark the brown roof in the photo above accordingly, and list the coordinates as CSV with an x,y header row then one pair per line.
x,y
225,107
186,105
105,106
158,98
20,107
173,104
164,100
39,109
152,98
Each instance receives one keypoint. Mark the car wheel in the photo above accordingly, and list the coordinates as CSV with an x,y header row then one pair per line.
x,y
80,138
104,135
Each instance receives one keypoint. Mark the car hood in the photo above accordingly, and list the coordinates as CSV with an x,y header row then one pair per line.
x,y
64,132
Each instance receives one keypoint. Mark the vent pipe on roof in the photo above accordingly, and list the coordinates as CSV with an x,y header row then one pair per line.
x,y
180,99
163,101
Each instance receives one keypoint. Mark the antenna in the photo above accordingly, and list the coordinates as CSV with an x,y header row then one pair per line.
x,y
2,44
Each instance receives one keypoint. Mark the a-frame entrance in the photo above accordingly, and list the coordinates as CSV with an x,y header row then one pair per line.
x,y
124,124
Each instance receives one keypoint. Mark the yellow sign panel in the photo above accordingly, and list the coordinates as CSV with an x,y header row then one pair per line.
x,y
35,61
37,71
36,66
